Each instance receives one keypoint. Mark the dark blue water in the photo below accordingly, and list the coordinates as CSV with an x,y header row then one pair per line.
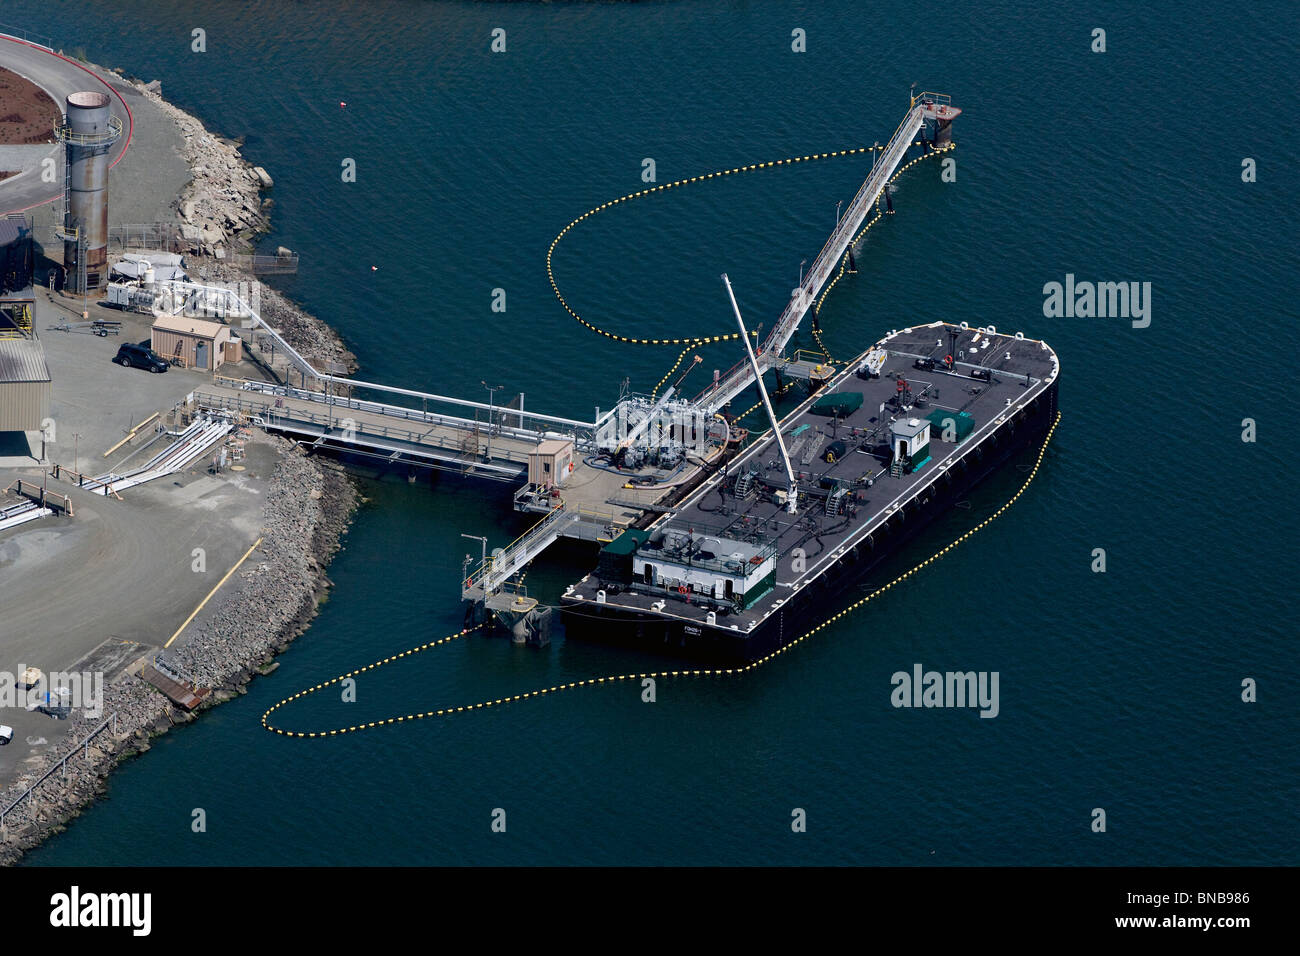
x,y
1118,690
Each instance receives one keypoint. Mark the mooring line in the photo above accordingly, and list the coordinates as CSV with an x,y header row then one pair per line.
x,y
615,678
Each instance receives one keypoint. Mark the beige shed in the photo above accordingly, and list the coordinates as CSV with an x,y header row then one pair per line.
x,y
551,463
193,343
24,385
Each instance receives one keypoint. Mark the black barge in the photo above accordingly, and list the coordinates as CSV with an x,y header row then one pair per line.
x,y
893,440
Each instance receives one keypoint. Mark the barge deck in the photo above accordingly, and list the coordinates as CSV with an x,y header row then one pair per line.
x,y
883,448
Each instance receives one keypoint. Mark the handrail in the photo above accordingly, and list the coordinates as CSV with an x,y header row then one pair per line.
x,y
386,431
487,571
381,408
578,427
942,98
425,439
716,395
84,742
26,36
63,132
818,358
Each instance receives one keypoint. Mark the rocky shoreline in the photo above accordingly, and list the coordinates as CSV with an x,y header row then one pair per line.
x,y
307,507
222,212
222,206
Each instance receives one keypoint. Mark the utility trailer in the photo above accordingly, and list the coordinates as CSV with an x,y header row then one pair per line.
x,y
100,327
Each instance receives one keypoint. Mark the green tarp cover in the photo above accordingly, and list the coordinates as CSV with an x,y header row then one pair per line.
x,y
627,542
842,404
962,421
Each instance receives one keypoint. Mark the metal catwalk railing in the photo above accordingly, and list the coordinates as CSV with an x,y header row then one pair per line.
x,y
492,574
740,375
583,432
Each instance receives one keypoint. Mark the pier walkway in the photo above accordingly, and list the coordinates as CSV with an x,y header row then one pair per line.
x,y
593,503
740,376
392,433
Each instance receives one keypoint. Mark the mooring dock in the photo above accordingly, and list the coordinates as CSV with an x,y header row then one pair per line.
x,y
587,480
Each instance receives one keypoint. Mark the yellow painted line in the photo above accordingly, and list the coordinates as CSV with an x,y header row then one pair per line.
x,y
202,603
130,434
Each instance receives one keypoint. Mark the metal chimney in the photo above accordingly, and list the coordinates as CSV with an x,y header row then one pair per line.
x,y
88,132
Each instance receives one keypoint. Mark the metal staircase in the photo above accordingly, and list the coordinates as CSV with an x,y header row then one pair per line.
x,y
745,484
835,502
814,446
491,576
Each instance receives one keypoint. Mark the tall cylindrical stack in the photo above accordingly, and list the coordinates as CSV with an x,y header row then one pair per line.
x,y
88,132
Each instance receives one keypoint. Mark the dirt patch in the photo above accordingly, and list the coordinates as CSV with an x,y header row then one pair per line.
x,y
27,114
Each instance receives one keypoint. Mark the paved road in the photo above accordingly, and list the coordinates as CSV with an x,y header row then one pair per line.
x,y
58,76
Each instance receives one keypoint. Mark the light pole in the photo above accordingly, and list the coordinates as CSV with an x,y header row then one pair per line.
x,y
75,438
482,542
802,263
492,391
81,257
837,213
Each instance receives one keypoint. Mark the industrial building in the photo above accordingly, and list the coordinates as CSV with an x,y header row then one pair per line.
x,y
195,343
24,385
551,463
24,376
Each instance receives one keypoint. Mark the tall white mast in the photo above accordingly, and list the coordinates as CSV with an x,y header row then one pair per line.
x,y
792,486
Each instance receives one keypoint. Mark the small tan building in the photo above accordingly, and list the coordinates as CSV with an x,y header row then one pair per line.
x,y
24,385
194,343
551,463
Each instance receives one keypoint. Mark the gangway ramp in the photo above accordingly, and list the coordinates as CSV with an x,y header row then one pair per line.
x,y
491,576
740,376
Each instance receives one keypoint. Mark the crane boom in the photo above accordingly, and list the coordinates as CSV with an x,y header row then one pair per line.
x,y
792,487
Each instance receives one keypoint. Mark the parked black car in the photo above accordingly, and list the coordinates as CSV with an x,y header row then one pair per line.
x,y
139,356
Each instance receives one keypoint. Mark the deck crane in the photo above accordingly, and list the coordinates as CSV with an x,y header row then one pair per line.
x,y
792,486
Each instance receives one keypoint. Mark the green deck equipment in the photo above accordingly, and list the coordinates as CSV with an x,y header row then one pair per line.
x,y
944,423
840,405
